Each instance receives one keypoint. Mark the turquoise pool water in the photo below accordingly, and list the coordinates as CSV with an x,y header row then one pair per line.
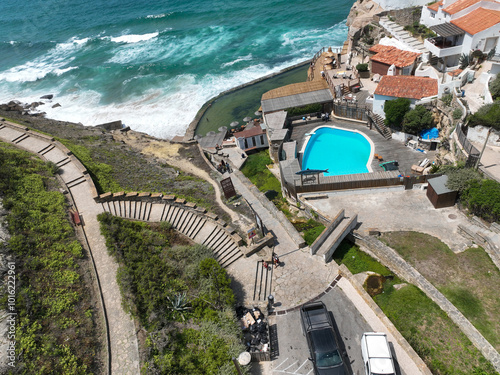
x,y
340,151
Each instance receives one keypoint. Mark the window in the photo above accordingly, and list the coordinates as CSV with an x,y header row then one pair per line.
x,y
262,140
433,15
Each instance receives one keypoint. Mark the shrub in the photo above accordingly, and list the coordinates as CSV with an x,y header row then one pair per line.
x,y
457,114
460,178
487,115
464,61
305,110
362,67
416,120
482,198
447,99
495,87
395,111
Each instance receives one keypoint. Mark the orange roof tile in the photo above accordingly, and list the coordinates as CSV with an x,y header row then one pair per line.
x,y
459,5
410,87
477,20
435,6
391,55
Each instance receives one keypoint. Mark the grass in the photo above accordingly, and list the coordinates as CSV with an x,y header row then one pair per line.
x,y
56,331
257,172
466,279
431,333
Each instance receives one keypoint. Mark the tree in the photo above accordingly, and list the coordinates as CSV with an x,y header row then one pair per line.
x,y
460,178
416,120
395,111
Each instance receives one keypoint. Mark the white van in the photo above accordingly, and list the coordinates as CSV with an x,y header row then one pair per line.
x,y
376,354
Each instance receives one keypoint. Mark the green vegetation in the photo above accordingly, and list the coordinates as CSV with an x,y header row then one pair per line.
x,y
395,111
419,30
305,110
55,330
417,119
179,294
495,88
487,115
362,67
457,114
433,335
101,173
466,279
464,61
459,178
447,99
482,198
311,228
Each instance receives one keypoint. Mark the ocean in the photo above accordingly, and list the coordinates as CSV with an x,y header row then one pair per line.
x,y
152,64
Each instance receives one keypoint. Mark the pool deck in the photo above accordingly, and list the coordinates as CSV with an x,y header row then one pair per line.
x,y
388,149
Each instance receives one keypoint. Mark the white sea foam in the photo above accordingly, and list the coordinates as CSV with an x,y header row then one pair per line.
x,y
244,58
161,15
134,38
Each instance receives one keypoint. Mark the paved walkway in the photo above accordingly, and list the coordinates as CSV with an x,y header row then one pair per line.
x,y
122,333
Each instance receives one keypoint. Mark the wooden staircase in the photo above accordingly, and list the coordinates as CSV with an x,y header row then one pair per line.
x,y
378,121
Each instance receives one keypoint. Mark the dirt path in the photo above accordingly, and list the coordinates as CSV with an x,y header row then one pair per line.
x,y
169,153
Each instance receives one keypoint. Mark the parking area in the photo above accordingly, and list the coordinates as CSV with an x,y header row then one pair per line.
x,y
293,350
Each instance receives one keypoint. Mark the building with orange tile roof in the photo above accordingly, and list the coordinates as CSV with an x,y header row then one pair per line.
x,y
417,89
461,26
385,56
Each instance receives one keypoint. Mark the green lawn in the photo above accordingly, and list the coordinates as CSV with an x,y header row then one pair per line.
x,y
431,333
469,280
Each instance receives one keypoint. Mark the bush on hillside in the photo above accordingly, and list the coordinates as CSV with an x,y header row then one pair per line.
x,y
416,120
395,111
495,87
487,115
482,198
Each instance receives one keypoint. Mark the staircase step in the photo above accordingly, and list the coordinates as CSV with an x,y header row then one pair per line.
x,y
46,149
182,219
214,237
187,220
171,214
233,258
189,223
177,217
206,229
196,226
75,181
21,138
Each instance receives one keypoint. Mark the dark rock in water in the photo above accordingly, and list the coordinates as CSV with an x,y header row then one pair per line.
x,y
56,105
49,96
4,107
38,114
34,104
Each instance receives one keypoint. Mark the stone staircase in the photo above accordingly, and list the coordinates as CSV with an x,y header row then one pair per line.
x,y
202,228
328,241
402,35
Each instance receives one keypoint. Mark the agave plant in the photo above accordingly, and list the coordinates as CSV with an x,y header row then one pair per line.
x,y
179,304
464,61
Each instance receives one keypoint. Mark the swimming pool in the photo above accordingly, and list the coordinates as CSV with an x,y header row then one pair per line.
x,y
339,150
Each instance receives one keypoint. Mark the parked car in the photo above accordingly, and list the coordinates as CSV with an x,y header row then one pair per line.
x,y
376,353
318,327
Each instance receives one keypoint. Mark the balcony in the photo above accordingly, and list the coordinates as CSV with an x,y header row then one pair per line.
x,y
441,47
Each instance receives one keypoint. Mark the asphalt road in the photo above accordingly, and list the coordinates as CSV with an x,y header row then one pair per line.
x,y
293,350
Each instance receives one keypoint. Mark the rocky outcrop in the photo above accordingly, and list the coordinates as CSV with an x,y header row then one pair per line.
x,y
49,96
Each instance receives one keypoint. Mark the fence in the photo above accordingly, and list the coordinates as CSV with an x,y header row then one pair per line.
x,y
471,151
354,181
350,111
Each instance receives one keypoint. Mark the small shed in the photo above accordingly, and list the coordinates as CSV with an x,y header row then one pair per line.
x,y
439,195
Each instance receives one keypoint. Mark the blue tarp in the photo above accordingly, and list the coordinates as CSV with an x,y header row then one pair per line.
x,y
429,133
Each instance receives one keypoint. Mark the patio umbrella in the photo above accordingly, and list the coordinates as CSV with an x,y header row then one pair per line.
x,y
258,113
246,119
223,129
234,123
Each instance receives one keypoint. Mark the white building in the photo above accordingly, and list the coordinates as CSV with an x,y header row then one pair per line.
x,y
418,89
400,4
461,27
253,138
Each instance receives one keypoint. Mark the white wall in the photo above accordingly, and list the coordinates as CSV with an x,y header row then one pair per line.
x,y
379,101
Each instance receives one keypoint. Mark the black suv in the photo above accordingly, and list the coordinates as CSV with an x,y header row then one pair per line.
x,y
317,326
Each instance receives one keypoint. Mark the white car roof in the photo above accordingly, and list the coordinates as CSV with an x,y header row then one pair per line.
x,y
377,345
381,366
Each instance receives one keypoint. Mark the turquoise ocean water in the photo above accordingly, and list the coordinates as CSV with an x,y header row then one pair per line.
x,y
152,64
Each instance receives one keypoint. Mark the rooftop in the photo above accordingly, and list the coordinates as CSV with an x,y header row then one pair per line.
x,y
294,89
435,6
393,56
478,20
410,87
253,131
459,5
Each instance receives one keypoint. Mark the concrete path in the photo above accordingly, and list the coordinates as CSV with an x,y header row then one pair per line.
x,y
124,350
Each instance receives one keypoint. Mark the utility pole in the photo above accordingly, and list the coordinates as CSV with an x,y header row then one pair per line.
x,y
484,146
